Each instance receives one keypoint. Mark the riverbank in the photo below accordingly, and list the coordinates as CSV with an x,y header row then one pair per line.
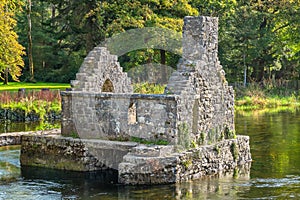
x,y
259,98
30,105
34,105
251,103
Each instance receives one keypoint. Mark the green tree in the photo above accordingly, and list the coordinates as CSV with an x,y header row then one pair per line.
x,y
11,51
262,36
125,15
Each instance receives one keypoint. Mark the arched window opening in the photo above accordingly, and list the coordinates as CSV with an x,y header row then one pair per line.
x,y
132,118
108,86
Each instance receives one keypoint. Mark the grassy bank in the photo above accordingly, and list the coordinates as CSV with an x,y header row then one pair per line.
x,y
15,86
32,103
258,98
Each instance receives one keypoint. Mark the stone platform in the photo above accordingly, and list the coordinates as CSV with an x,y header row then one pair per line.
x,y
14,138
136,163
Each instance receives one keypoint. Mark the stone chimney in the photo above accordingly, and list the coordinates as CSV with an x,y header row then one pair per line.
x,y
200,39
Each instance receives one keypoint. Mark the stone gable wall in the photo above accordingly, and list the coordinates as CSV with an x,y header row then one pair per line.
x,y
100,67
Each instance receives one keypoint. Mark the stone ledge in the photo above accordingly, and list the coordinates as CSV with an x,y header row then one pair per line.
x,y
74,154
14,138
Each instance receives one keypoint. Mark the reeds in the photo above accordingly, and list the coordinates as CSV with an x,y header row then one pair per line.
x,y
38,102
7,97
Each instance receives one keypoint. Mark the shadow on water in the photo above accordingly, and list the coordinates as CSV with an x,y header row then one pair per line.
x,y
106,178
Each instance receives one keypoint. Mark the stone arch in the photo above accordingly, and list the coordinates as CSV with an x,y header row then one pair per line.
x,y
107,86
97,68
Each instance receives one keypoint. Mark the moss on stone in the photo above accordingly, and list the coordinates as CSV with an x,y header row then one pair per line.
x,y
184,137
217,149
234,151
150,142
187,163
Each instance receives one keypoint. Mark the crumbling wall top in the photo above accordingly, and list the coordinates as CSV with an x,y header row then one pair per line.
x,y
200,38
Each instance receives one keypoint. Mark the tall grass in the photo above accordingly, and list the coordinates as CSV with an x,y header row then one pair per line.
x,y
38,102
256,97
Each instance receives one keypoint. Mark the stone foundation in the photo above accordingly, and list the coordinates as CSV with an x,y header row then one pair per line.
x,y
224,156
136,163
65,153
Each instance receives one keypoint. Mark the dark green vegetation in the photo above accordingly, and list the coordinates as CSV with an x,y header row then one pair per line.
x,y
258,39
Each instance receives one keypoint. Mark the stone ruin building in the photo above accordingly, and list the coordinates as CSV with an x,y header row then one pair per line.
x,y
197,107
194,118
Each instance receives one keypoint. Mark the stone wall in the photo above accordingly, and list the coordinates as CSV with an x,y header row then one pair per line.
x,y
14,138
197,108
65,153
120,116
101,72
206,105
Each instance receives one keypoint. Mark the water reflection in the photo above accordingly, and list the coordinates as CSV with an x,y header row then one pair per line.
x,y
9,164
7,126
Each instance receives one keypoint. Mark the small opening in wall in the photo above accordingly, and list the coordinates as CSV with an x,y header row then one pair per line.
x,y
132,119
108,86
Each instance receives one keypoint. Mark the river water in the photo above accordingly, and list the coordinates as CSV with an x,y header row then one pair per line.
x,y
274,174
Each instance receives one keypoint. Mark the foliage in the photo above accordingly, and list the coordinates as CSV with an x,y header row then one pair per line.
x,y
259,39
48,126
11,51
148,88
261,35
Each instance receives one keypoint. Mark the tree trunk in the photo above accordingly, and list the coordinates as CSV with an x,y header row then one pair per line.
x,y
245,70
30,59
163,66
5,82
